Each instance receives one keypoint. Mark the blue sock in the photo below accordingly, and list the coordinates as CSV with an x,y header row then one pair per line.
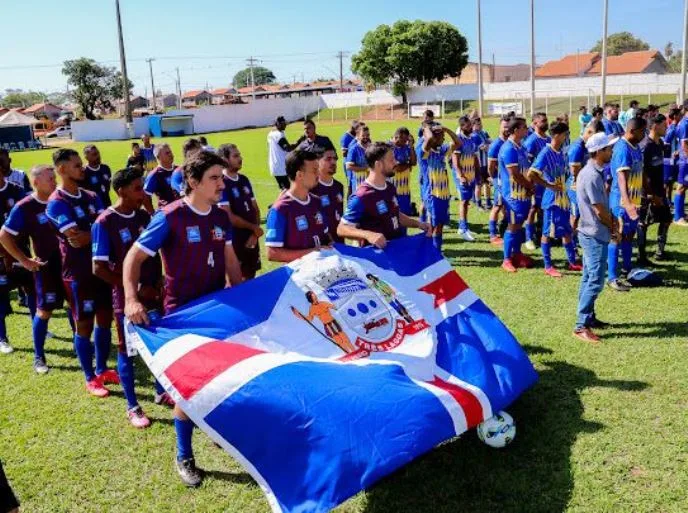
x,y
626,254
679,202
437,241
125,368
571,252
102,338
508,244
493,228
84,353
183,430
612,257
40,329
463,225
70,318
3,328
529,231
158,388
546,254
31,302
516,244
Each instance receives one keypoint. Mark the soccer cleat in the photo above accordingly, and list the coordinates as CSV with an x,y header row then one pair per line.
x,y
681,222
530,245
575,267
618,285
191,475
40,366
523,261
551,271
5,347
508,266
496,241
96,388
466,235
163,399
109,377
137,418
586,335
660,255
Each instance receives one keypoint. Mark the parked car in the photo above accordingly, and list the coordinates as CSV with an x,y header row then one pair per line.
x,y
60,131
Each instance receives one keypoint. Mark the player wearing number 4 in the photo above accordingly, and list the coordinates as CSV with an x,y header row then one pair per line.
x,y
194,237
372,214
549,171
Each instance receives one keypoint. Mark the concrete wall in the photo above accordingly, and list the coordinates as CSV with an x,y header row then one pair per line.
x,y
105,129
354,99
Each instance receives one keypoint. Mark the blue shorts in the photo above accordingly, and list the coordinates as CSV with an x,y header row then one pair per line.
x,y
536,199
49,286
404,201
670,171
682,173
437,210
87,296
629,226
465,190
517,210
556,223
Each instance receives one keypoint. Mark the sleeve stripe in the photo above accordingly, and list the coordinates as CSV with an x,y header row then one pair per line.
x,y
274,244
623,168
144,249
228,242
346,221
67,227
10,230
101,258
223,204
148,193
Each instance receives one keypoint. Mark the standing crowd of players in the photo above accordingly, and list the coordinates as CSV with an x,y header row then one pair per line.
x,y
176,233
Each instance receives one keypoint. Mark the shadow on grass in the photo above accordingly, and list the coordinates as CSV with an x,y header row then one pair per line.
x,y
648,330
230,477
533,475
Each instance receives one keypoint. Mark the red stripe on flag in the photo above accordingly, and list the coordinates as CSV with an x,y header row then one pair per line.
x,y
469,403
445,288
197,368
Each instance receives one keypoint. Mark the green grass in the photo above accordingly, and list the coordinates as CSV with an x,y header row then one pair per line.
x,y
602,431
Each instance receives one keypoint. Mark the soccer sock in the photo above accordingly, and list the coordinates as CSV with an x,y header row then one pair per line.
x,y
662,233
642,241
3,327
31,303
84,353
159,389
40,330
612,256
493,228
184,430
679,202
102,338
571,252
70,318
508,244
546,254
463,225
529,227
503,226
627,254
125,368
437,241
517,242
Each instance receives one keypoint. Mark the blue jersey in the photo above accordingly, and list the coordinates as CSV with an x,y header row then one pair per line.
x,y
481,138
356,155
148,154
584,119
671,143
629,158
432,168
534,144
467,156
551,166
509,155
402,179
577,155
493,155
682,135
612,127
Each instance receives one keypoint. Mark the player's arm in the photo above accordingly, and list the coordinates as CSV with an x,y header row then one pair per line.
x,y
149,187
275,237
539,174
10,230
62,217
622,167
232,267
456,164
413,158
412,222
101,256
348,227
456,143
427,136
351,164
284,144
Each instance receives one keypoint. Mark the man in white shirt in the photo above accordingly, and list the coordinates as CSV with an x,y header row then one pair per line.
x,y
278,147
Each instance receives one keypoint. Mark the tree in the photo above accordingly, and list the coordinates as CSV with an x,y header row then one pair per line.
x,y
95,85
674,62
20,98
261,76
410,51
621,42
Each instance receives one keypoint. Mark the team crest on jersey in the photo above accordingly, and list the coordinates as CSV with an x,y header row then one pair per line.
x,y
193,234
247,190
319,218
340,198
42,218
359,313
168,180
3,279
125,235
301,223
91,209
218,233
79,212
381,207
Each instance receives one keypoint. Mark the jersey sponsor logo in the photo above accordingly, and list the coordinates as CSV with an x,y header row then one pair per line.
x,y
236,192
125,235
94,179
193,234
301,223
325,200
88,305
218,233
42,218
79,212
3,279
50,297
381,207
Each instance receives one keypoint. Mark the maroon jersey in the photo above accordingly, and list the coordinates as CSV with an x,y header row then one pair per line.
x,y
159,183
192,245
296,224
10,195
68,211
98,181
375,209
332,200
29,220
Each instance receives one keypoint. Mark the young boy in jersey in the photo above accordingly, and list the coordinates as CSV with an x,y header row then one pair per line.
x,y
432,153
534,144
406,159
549,171
113,233
98,175
372,215
28,221
240,204
148,153
136,158
517,191
190,146
493,172
625,198
194,238
72,211
355,157
330,191
482,183
345,141
159,181
465,166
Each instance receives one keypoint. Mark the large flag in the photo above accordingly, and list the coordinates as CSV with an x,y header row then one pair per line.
x,y
327,374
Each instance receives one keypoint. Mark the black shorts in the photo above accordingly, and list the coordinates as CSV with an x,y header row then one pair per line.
x,y
651,214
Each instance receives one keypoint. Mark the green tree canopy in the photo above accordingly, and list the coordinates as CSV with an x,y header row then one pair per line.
x,y
621,42
94,85
261,76
410,51
20,98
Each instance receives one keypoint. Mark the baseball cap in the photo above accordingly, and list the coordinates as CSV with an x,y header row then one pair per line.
x,y
599,141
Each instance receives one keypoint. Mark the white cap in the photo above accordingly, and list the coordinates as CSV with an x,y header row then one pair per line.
x,y
599,141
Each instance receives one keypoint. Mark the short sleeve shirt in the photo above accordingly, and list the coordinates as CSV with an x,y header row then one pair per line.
x,y
332,205
551,166
296,224
98,181
512,154
432,167
629,158
375,209
28,219
159,183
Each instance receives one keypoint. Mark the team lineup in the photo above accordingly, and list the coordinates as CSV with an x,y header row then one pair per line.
x,y
175,233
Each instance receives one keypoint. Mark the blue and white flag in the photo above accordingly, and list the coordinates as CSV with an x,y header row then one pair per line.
x,y
327,374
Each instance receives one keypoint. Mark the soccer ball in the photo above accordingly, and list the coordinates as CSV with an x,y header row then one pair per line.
x,y
498,431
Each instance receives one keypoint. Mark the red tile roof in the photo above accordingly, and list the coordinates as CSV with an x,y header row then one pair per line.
x,y
193,94
41,106
629,62
570,65
223,91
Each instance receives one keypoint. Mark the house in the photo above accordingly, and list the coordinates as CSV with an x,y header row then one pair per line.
x,y
590,64
166,101
196,98
574,65
43,110
224,96
491,73
135,102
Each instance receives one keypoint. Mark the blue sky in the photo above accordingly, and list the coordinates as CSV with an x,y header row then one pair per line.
x,y
209,40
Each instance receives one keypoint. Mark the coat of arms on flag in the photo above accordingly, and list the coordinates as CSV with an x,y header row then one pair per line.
x,y
327,374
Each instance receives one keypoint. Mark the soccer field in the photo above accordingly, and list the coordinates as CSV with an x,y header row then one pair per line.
x,y
603,430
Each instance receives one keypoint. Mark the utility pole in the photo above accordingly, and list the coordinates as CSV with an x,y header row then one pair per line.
x,y
685,48
604,53
123,65
340,56
150,67
179,90
251,61
532,58
480,64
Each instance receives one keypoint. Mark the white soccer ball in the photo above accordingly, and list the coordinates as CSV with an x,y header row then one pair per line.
x,y
498,431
